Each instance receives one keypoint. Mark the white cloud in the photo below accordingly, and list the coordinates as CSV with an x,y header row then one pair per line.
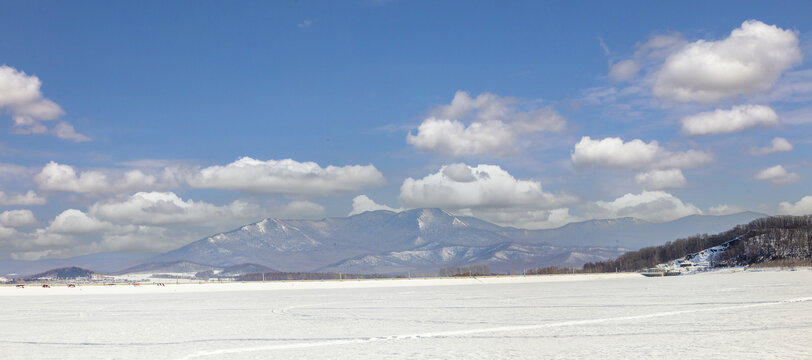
x,y
655,206
661,179
6,233
492,188
453,138
27,199
166,208
17,218
738,118
63,130
750,60
624,70
779,144
287,177
802,207
484,191
144,238
777,175
59,177
142,222
725,209
615,153
526,218
459,172
20,96
76,222
487,124
363,203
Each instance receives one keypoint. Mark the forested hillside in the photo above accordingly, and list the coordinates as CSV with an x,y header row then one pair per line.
x,y
765,239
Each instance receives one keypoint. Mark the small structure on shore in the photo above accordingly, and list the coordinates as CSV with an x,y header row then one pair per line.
x,y
658,272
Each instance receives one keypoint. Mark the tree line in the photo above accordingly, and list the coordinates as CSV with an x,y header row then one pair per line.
x,y
764,239
276,276
469,270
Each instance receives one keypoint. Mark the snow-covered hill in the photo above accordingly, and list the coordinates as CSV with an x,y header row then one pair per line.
x,y
427,239
699,261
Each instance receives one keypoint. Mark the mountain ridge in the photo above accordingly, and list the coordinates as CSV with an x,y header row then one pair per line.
x,y
423,239
413,240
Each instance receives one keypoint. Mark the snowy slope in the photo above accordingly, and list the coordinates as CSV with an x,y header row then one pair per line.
x,y
427,239
697,262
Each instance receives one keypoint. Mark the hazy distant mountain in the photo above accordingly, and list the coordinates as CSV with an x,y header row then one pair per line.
x,y
65,273
100,262
179,266
427,239
389,242
634,233
242,269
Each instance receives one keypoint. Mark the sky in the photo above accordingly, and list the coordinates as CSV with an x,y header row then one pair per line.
x,y
143,126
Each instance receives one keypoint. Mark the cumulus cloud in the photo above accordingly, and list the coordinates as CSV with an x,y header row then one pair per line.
x,y
75,222
661,179
492,188
287,177
624,70
485,191
613,152
738,118
493,195
779,144
59,177
17,218
777,175
20,96
143,238
6,233
146,221
725,209
27,199
654,206
526,218
749,60
486,124
453,138
46,243
363,203
802,207
167,208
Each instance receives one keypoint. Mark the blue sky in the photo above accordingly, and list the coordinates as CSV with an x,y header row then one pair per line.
x,y
143,126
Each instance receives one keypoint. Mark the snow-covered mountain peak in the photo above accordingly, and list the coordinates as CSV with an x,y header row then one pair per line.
x,y
458,222
426,239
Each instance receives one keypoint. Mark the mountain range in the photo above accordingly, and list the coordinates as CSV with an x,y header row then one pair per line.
x,y
427,240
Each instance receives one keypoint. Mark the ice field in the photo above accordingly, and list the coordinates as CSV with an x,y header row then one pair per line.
x,y
730,315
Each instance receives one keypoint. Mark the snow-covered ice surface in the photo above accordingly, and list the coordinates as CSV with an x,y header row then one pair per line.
x,y
730,315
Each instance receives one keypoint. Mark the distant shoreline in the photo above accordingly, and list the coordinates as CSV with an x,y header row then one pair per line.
x,y
332,284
